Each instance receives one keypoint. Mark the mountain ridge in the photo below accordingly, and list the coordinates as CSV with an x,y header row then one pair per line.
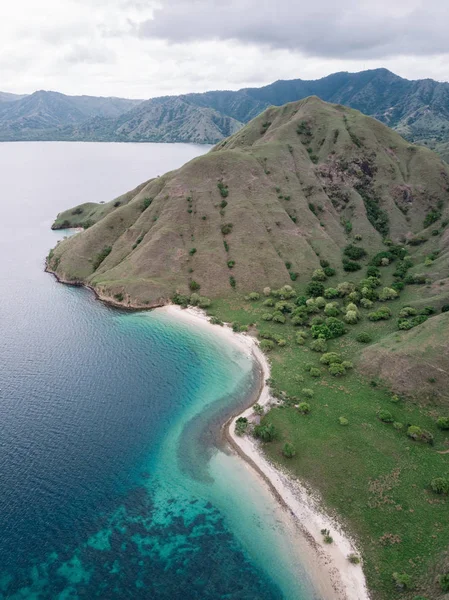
x,y
417,109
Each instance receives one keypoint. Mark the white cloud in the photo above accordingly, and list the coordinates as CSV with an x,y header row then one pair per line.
x,y
140,49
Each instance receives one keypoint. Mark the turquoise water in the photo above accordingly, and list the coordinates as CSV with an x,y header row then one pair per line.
x,y
113,481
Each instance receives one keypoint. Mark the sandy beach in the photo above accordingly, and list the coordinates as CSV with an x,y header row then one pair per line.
x,y
335,577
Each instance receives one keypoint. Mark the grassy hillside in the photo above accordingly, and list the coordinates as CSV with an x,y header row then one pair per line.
x,y
262,208
322,231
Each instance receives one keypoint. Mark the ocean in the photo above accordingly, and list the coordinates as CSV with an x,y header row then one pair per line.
x,y
114,482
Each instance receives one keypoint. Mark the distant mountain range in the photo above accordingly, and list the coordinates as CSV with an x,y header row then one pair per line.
x,y
418,110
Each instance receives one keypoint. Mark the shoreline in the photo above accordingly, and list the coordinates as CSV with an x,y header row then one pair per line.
x,y
344,580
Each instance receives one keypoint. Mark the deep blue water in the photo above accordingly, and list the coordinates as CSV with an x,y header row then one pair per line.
x,y
111,484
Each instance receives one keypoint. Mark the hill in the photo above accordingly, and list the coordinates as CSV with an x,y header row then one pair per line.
x,y
44,115
288,188
326,234
418,110
160,120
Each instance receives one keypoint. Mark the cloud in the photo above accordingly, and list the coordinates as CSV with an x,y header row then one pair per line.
x,y
147,48
323,28
83,53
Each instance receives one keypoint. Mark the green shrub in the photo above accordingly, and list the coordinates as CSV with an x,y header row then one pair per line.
x,y
216,321
258,409
337,370
444,582
335,326
331,358
241,426
231,264
204,302
319,275
119,297
223,188
101,256
440,485
288,450
385,416
354,559
354,252
194,285
343,421
388,294
232,281
266,345
266,433
402,581
253,296
278,317
398,426
268,302
383,314
351,317
180,299
304,408
315,372
192,251
332,309
306,392
331,293
329,271
227,228
443,423
300,339
146,203
364,338
314,289
319,345
414,432
267,317
351,266
407,311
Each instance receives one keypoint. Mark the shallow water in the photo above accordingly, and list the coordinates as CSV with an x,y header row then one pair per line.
x,y
111,483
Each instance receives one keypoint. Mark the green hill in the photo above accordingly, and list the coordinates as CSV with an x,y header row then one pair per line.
x,y
292,187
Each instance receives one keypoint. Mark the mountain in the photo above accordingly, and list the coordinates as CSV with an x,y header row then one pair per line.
x,y
418,110
43,115
283,190
161,120
6,97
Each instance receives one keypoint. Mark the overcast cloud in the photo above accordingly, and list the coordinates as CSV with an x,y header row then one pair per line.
x,y
140,49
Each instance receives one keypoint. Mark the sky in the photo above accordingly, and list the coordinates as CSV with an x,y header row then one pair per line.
x,y
147,48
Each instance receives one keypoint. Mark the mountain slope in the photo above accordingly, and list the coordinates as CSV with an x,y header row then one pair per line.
x,y
161,120
418,110
41,115
289,189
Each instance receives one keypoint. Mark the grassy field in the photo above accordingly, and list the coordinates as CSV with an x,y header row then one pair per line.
x,y
369,473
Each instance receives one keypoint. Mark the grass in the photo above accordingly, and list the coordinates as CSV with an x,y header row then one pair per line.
x,y
370,474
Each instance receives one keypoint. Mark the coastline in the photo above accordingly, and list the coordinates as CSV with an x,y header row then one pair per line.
x,y
335,576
